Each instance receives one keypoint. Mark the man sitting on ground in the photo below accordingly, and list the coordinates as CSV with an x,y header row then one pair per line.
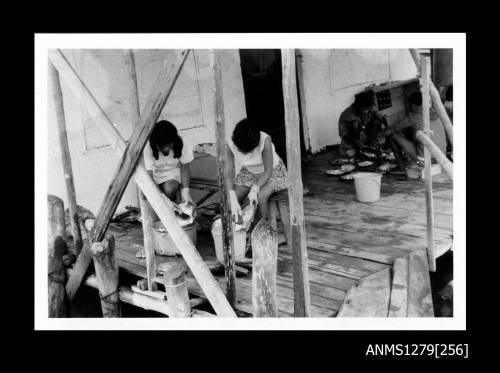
x,y
361,125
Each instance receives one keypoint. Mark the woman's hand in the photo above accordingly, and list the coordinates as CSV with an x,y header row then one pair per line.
x,y
235,206
186,196
253,195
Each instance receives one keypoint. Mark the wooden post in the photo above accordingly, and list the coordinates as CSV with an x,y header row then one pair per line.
x,y
56,270
302,98
66,158
106,270
156,101
265,261
176,289
445,163
222,176
147,214
302,301
436,100
162,206
425,76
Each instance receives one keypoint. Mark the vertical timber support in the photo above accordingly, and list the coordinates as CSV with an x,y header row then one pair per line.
x,y
265,261
176,289
66,158
302,301
425,77
302,98
56,270
106,270
147,214
222,176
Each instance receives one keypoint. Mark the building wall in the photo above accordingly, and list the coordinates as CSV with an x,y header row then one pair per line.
x,y
333,77
190,108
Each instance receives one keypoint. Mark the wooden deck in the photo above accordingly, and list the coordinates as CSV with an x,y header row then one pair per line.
x,y
348,241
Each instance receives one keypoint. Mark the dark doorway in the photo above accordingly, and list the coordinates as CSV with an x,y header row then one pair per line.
x,y
261,72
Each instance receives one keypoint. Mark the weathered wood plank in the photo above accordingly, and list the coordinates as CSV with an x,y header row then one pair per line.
x,y
399,290
295,190
224,182
370,298
419,288
56,246
107,274
429,203
264,257
147,213
66,158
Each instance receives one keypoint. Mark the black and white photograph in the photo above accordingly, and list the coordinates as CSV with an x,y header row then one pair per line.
x,y
270,181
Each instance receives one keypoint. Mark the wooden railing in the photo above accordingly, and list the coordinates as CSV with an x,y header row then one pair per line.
x,y
429,92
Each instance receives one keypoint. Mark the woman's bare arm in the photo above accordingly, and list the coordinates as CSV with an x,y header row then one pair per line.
x,y
267,158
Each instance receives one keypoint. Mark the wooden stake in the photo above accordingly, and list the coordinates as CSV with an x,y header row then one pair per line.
x,y
436,100
176,289
425,76
222,176
265,261
156,101
107,273
162,206
147,214
438,155
66,158
302,97
302,301
56,246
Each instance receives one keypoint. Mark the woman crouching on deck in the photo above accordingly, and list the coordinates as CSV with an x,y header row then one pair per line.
x,y
167,158
259,170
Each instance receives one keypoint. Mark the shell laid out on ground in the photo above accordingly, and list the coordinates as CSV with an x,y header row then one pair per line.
x,y
365,163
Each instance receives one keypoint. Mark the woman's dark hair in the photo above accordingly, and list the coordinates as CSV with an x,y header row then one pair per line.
x,y
364,99
165,133
415,98
246,136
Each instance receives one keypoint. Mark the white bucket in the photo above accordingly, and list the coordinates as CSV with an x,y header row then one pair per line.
x,y
240,242
163,243
367,186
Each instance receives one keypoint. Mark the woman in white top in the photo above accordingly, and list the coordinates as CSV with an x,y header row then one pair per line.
x,y
167,157
259,170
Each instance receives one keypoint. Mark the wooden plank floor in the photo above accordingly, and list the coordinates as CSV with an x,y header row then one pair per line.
x,y
347,240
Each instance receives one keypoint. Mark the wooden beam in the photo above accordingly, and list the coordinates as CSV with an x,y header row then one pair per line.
x,y
225,185
147,214
176,289
436,100
160,203
265,261
106,269
56,271
302,98
302,301
66,158
154,105
429,205
136,299
438,155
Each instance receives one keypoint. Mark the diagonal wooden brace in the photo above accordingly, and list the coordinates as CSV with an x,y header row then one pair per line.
x,y
159,202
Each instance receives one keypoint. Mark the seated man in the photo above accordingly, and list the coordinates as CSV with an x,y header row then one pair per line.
x,y
361,125
404,132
